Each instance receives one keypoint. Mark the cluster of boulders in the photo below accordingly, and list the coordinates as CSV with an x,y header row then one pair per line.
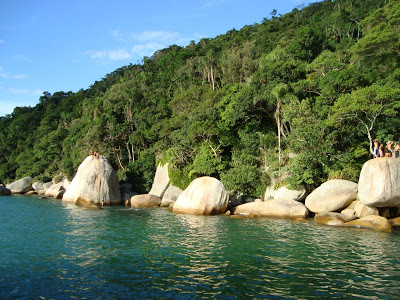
x,y
27,186
371,203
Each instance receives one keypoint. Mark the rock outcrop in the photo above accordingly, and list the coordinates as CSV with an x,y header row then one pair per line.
x,y
371,222
38,186
331,196
55,190
395,221
4,191
145,200
285,193
20,186
204,196
333,219
94,182
361,210
161,181
379,183
281,208
170,196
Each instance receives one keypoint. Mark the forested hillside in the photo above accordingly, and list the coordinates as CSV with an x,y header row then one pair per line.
x,y
295,98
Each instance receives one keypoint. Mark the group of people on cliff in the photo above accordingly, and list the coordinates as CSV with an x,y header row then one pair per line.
x,y
95,154
391,149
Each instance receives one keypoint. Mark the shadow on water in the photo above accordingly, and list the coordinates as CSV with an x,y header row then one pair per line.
x,y
53,250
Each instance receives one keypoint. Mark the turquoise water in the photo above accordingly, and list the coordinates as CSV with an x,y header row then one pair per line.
x,y
49,250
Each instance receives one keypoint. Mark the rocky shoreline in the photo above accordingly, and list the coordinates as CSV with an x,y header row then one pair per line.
x,y
372,203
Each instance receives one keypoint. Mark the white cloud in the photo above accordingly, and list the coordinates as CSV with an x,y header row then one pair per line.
x,y
140,44
146,49
37,92
116,54
17,91
119,54
7,75
156,36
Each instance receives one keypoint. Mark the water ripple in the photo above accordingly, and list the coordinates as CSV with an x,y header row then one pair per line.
x,y
51,250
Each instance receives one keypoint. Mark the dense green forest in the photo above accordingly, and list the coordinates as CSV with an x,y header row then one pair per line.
x,y
295,99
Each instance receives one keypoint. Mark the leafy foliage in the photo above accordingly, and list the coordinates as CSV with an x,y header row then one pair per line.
x,y
294,97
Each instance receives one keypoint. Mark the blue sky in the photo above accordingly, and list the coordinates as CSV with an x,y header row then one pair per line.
x,y
54,45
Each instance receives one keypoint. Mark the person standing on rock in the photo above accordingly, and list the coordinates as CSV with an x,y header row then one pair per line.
x,y
396,150
376,148
388,149
381,151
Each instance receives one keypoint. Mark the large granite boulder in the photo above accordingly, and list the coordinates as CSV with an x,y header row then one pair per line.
x,y
55,189
94,182
332,218
370,222
204,196
170,196
379,183
20,186
285,193
331,196
282,208
395,222
38,186
161,181
361,210
349,210
4,191
46,186
145,200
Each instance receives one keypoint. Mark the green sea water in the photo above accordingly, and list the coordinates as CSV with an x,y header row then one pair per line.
x,y
49,250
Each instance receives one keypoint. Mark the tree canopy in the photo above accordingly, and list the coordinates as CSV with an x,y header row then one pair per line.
x,y
297,98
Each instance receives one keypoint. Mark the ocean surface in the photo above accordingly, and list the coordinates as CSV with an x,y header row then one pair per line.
x,y
50,250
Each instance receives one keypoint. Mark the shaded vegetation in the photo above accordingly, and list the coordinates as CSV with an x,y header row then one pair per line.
x,y
296,98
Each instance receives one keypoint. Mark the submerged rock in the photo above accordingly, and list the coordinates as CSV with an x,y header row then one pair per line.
x,y
204,196
20,186
282,208
379,183
94,182
333,219
91,206
331,196
370,222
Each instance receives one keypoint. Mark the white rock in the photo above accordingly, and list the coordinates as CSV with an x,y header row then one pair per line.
x,y
331,196
171,195
204,196
282,208
94,182
379,183
161,181
20,186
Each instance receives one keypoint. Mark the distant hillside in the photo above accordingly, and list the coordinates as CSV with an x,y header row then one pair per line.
x,y
296,98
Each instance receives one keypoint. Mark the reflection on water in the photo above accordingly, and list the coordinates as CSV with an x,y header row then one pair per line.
x,y
51,250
